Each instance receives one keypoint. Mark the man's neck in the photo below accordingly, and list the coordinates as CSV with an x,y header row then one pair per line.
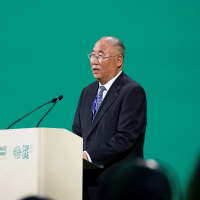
x,y
110,82
104,83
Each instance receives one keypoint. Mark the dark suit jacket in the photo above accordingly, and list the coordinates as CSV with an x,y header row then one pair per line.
x,y
118,130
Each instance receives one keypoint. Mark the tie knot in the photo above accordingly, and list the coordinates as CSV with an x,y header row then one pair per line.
x,y
102,88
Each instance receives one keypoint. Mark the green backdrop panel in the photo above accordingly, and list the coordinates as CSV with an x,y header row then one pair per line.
x,y
43,53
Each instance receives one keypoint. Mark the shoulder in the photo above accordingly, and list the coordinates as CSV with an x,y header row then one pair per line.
x,y
91,87
89,90
131,91
129,84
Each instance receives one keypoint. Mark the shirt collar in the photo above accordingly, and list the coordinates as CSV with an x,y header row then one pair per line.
x,y
110,82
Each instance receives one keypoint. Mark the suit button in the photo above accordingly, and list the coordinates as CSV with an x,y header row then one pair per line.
x,y
88,140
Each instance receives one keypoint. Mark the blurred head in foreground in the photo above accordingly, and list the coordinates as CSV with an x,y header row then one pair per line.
x,y
194,186
35,198
139,180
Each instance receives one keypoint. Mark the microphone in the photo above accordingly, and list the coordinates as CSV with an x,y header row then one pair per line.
x,y
52,101
59,98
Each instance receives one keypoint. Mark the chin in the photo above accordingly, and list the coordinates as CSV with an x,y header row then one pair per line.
x,y
97,77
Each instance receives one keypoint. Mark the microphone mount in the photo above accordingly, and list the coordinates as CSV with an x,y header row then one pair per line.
x,y
59,98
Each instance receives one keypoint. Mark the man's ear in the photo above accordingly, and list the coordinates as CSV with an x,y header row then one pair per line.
x,y
119,61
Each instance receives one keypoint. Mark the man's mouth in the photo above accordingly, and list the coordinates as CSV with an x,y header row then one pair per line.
x,y
95,70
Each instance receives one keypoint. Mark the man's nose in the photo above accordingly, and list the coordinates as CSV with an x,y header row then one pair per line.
x,y
95,60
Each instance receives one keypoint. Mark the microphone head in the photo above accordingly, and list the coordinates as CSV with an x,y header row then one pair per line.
x,y
54,100
60,97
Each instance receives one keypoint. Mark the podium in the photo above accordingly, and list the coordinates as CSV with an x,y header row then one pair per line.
x,y
41,162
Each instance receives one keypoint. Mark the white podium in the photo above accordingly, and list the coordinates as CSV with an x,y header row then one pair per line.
x,y
41,162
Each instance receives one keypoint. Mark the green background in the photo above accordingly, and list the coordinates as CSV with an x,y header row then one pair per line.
x,y
43,53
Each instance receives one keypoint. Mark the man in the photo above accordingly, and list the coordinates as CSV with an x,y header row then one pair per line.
x,y
111,113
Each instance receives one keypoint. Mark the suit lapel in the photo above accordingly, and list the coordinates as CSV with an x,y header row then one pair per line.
x,y
108,100
89,104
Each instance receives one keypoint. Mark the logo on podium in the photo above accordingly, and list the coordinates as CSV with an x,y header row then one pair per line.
x,y
3,152
17,152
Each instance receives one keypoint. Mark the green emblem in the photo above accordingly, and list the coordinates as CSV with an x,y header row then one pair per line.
x,y
17,152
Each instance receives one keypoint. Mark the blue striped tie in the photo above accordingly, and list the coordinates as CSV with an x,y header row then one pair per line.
x,y
99,97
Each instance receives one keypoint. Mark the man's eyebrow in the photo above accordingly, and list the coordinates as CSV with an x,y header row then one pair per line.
x,y
99,51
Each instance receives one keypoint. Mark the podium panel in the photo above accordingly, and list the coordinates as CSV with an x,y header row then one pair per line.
x,y
40,162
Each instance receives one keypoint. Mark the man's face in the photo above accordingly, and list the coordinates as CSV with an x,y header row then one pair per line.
x,y
107,68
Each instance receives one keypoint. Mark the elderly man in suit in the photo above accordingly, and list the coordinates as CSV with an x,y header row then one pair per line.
x,y
111,113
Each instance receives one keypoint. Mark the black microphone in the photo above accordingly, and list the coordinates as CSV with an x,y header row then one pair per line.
x,y
59,98
52,101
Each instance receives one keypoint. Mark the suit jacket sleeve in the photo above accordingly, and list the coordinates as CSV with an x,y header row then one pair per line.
x,y
130,128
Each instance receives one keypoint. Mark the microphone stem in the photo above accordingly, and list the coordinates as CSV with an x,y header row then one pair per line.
x,y
47,113
28,114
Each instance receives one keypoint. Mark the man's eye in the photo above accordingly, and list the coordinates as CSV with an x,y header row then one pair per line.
x,y
100,56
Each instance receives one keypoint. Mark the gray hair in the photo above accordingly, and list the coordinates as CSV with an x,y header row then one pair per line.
x,y
116,42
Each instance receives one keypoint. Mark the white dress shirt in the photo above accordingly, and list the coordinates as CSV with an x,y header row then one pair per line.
x,y
107,86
